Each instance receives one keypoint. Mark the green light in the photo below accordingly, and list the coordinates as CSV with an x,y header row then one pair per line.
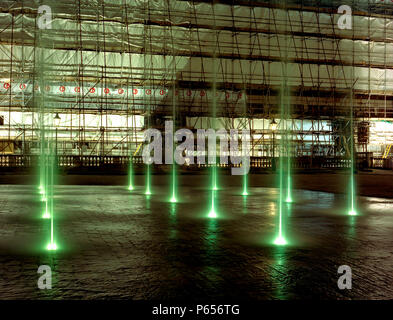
x,y
173,198
51,246
288,199
148,191
212,214
44,199
46,215
352,211
130,188
245,193
280,241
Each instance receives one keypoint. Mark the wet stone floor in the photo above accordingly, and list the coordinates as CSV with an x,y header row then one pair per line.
x,y
117,244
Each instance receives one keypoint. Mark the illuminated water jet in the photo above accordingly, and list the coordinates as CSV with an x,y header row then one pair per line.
x,y
284,151
173,198
352,210
171,140
148,178
245,184
289,197
212,212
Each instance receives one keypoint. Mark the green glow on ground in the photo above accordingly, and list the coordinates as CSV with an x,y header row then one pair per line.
x,y
288,199
173,209
352,213
44,199
130,187
173,199
280,240
245,193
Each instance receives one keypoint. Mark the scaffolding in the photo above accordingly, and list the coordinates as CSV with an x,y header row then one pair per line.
x,y
112,67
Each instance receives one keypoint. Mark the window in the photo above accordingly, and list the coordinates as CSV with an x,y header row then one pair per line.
x,y
1,120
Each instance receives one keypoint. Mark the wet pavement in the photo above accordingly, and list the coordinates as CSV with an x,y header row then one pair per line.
x,y
124,245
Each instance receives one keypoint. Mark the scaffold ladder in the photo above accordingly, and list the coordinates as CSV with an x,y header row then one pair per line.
x,y
387,151
137,150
